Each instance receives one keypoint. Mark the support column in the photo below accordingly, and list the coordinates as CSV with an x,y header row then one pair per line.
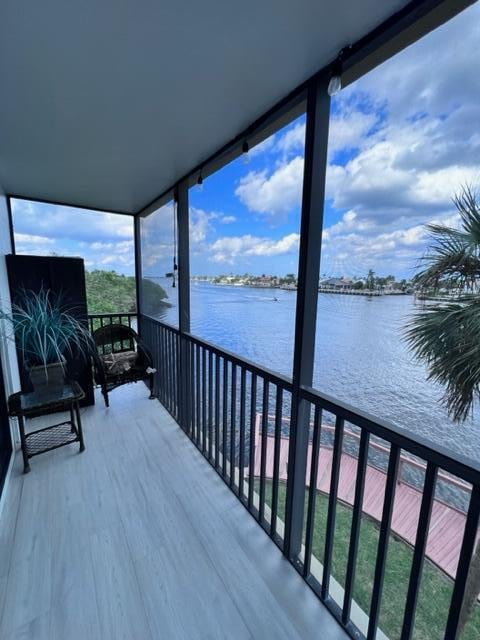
x,y
183,379
183,258
316,142
137,244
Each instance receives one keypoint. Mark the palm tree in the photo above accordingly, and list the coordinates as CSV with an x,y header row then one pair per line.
x,y
445,335
370,280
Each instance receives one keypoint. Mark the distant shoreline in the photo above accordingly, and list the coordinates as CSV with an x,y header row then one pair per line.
x,y
363,292
347,292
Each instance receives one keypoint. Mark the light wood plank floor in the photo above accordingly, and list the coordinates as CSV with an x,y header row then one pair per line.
x,y
139,539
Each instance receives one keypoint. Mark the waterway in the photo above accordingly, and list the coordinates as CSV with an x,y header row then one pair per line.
x,y
361,356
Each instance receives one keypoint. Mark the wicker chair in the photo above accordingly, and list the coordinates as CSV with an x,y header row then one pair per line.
x,y
120,357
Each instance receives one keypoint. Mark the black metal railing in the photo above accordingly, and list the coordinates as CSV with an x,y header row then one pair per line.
x,y
395,441
238,415
218,402
163,342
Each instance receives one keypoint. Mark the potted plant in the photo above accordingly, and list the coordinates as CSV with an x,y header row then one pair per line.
x,y
45,331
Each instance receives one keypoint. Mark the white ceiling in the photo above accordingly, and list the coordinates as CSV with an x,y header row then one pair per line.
x,y
106,103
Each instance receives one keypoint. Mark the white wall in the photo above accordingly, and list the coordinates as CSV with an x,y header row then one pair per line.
x,y
8,357
7,348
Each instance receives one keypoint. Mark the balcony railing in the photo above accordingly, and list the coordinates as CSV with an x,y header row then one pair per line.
x,y
222,396
238,415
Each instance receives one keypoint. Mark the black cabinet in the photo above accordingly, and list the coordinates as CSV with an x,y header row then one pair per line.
x,y
64,277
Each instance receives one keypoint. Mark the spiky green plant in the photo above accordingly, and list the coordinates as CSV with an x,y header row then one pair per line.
x,y
45,329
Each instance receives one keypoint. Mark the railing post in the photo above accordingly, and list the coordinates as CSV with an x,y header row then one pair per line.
x,y
316,142
183,379
137,244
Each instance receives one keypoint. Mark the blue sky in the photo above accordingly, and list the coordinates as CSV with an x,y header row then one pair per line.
x,y
104,240
402,142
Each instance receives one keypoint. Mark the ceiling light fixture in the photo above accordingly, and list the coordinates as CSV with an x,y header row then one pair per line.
x,y
335,84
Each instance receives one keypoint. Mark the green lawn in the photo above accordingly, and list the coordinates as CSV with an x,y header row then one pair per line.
x,y
436,587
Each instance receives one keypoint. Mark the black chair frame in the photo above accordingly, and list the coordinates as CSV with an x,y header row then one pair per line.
x,y
118,338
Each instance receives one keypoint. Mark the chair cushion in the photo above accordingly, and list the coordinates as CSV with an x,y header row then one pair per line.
x,y
118,363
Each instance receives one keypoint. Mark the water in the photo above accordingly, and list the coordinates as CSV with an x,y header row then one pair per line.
x,y
360,354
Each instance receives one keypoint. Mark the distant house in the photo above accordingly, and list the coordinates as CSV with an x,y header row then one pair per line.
x,y
339,284
266,281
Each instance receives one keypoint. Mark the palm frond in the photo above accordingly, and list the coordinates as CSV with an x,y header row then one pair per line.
x,y
445,336
466,203
454,254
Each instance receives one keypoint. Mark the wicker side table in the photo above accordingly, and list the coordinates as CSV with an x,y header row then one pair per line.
x,y
27,405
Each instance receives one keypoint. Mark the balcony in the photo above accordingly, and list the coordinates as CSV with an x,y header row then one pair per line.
x,y
239,503
366,470
139,538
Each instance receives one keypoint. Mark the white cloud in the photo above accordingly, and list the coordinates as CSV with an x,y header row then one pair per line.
x,y
348,129
402,142
421,145
274,195
59,222
293,140
424,143
267,145
116,260
388,177
29,239
228,219
34,245
125,246
349,222
352,246
200,226
228,249
99,238
434,75
157,238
